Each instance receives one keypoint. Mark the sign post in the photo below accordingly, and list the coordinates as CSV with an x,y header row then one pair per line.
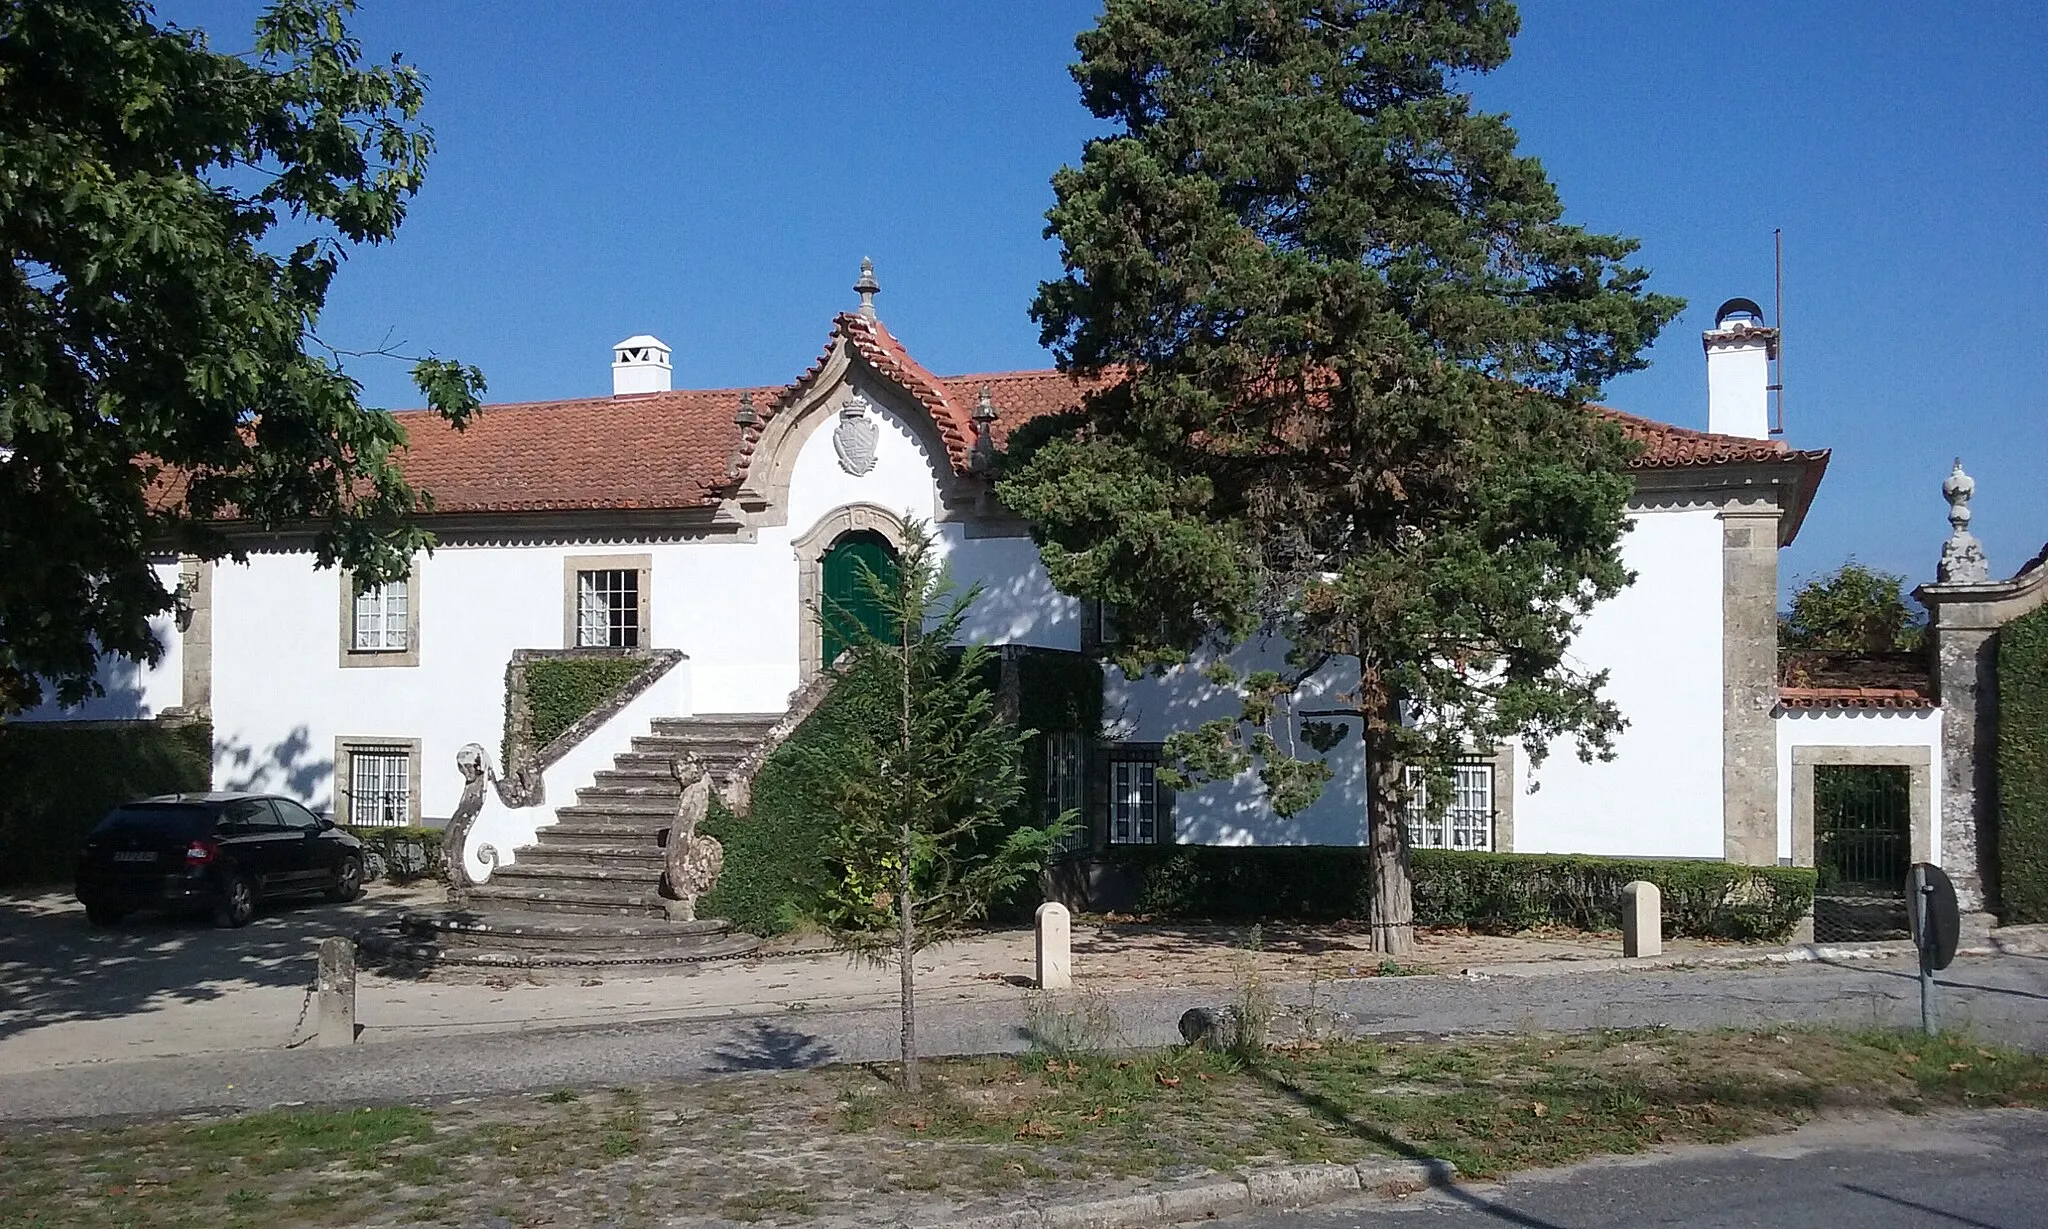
x,y
1937,924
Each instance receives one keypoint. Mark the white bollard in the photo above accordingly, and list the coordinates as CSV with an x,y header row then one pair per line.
x,y
1055,947
1642,919
337,992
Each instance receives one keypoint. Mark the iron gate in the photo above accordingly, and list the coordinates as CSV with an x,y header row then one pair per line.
x,y
1862,849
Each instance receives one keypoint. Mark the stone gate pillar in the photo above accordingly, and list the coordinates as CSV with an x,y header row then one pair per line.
x,y
1965,609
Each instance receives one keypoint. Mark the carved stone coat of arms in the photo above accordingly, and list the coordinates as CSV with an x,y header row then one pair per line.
x,y
856,436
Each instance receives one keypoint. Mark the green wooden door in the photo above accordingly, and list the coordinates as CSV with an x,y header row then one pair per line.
x,y
847,600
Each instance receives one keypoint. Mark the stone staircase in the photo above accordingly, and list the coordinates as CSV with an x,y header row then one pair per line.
x,y
588,891
603,855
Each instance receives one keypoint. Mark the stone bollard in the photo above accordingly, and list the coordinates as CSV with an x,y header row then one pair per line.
x,y
337,988
1055,947
1642,919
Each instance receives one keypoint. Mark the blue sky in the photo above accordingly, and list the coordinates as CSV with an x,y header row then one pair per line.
x,y
713,174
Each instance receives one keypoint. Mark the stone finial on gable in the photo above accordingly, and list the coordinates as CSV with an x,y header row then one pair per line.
x,y
1962,556
867,287
983,454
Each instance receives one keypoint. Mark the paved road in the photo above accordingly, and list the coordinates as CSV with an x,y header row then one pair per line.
x,y
1965,1171
2003,997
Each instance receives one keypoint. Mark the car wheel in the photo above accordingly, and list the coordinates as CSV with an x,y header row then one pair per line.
x,y
104,915
348,880
237,903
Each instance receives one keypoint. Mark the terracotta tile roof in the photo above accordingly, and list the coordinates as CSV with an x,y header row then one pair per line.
x,y
1853,697
682,449
1826,679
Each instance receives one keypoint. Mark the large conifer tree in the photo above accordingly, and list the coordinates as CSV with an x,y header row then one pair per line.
x,y
1346,344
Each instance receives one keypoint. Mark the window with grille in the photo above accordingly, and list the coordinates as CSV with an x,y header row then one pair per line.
x,y
1467,823
1063,775
608,609
379,787
381,617
1133,802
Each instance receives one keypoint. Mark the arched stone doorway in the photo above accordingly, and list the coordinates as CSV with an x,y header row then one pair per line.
x,y
850,602
835,544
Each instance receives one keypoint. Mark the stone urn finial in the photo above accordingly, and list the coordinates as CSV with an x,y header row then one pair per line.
x,y
1962,556
867,287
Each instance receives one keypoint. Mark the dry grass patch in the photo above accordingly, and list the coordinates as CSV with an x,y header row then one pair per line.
x,y
843,1142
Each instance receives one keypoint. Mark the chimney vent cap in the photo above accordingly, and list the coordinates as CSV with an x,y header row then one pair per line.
x,y
1737,308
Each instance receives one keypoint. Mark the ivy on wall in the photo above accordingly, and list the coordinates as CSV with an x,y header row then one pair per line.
x,y
2023,768
777,871
545,695
57,780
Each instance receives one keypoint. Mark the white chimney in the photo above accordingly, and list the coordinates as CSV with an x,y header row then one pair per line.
x,y
640,365
1739,353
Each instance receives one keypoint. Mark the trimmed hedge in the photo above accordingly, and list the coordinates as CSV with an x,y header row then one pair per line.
x,y
561,691
1702,899
776,874
57,780
2023,769
408,854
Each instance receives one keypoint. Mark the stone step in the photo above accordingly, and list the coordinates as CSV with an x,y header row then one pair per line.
x,y
590,877
616,900
654,764
593,803
591,851
756,724
639,784
488,938
602,829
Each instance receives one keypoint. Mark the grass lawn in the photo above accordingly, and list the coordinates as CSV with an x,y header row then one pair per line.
x,y
843,1142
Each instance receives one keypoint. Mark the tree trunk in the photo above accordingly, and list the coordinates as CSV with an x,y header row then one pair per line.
x,y
1391,907
906,954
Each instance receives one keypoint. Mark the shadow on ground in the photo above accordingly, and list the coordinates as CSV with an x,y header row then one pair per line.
x,y
55,968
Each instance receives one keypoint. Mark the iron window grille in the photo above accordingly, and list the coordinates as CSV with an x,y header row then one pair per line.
x,y
381,615
608,609
1467,823
1063,775
379,787
1133,802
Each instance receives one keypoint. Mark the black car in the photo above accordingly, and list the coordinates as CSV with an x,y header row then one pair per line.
x,y
217,853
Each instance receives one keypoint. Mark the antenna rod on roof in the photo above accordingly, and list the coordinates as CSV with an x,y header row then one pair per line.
x,y
1778,318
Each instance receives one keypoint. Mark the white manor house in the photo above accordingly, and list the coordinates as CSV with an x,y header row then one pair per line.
x,y
701,526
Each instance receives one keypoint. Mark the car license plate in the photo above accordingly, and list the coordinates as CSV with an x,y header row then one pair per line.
x,y
134,855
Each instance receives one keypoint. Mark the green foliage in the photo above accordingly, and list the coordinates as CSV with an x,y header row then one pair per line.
x,y
2023,769
1485,891
1348,346
56,781
778,859
925,837
561,691
1854,609
778,867
409,854
174,219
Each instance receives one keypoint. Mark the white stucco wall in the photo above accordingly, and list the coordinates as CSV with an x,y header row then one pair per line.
x,y
1235,812
134,691
281,696
1858,727
1660,641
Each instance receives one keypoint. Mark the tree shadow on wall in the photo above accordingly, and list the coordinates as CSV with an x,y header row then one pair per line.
x,y
287,766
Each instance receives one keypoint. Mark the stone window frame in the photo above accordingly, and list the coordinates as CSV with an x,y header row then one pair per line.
x,y
641,563
1096,793
810,548
355,658
1917,759
347,746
